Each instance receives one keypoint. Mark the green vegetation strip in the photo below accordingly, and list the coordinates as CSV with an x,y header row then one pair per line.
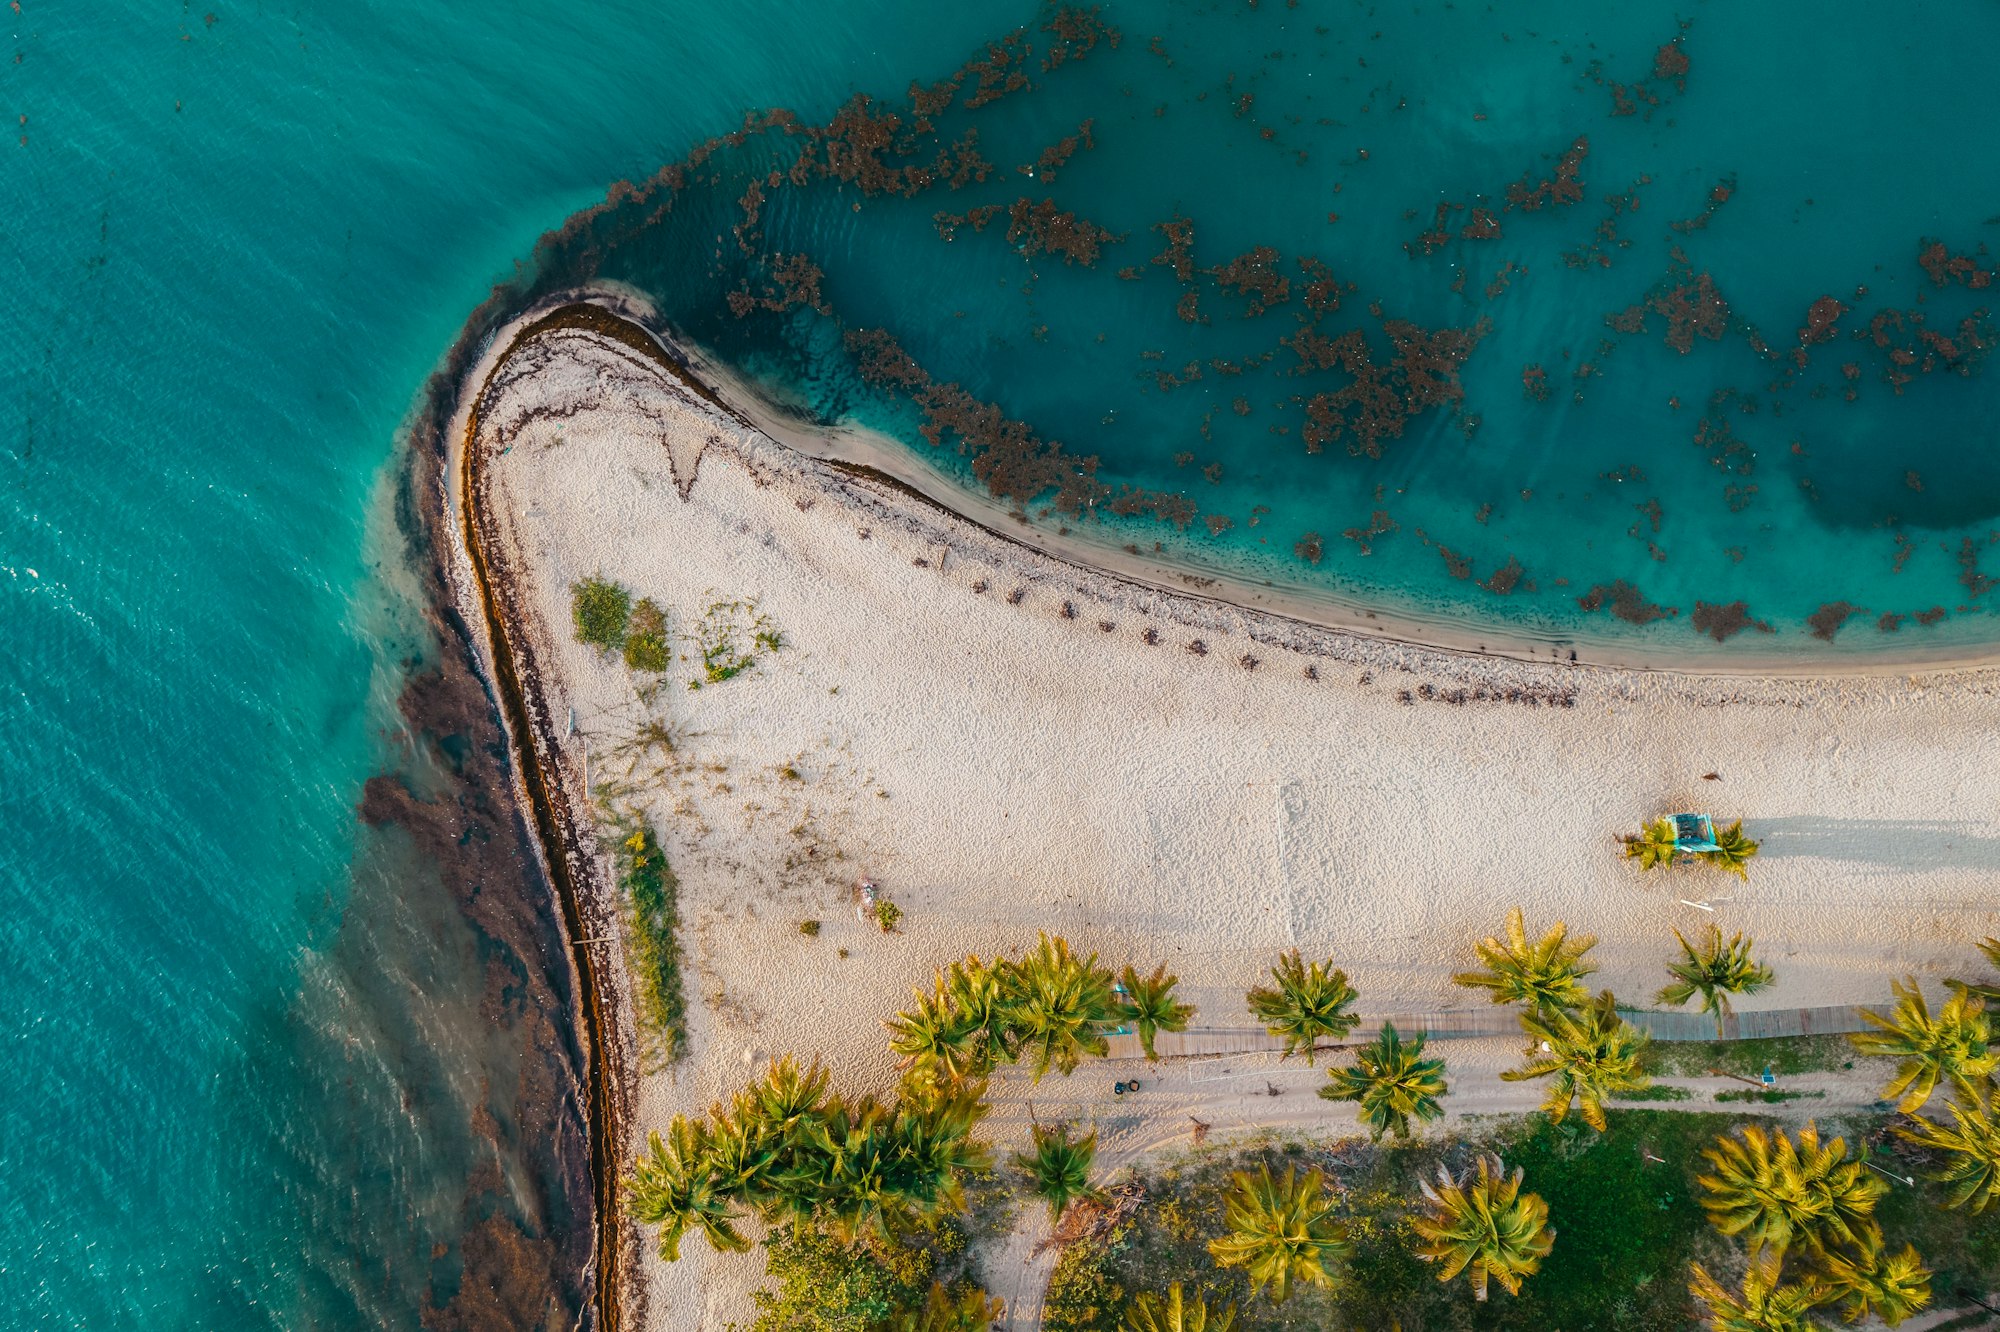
x,y
1783,1055
649,893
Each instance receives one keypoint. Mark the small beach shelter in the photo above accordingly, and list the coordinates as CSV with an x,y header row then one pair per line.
x,y
1693,832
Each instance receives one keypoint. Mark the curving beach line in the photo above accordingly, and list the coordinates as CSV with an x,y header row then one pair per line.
x,y
1866,779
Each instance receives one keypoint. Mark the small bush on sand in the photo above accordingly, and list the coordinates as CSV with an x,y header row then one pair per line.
x,y
649,894
646,638
730,635
601,609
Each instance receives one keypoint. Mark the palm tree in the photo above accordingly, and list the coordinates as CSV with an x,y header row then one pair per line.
x,y
754,1147
1393,1083
674,1187
1280,1231
963,1028
971,1311
1732,851
1546,974
1060,1006
1150,1005
1306,1004
1657,844
1951,1046
1486,1225
933,1146
1776,1193
749,1158
980,992
1714,971
1889,1286
1177,1313
1588,1057
1766,1304
1972,1151
1059,1167
937,1034
846,1178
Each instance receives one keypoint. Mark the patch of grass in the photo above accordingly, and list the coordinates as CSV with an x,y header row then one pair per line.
x,y
729,636
649,893
1769,1097
1659,1091
1783,1055
1626,1228
601,610
809,928
646,647
1626,1225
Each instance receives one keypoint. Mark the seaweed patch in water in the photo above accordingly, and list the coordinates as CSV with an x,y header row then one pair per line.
x,y
1625,602
1827,620
1724,621
1562,187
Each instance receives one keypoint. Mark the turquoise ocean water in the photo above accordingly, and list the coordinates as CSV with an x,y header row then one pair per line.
x,y
245,1039
243,1042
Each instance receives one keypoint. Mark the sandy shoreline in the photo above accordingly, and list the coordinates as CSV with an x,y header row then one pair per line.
x,y
1091,546
1161,776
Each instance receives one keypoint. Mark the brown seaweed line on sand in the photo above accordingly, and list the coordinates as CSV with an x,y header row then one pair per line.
x,y
531,726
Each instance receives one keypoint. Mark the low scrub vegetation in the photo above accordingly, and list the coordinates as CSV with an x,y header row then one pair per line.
x,y
649,895
601,610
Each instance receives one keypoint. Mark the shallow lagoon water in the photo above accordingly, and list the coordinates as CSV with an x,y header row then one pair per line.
x,y
1648,328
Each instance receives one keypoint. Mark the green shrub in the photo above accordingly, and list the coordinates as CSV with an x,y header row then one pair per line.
x,y
887,913
649,893
601,609
825,1286
1082,1297
729,635
1769,1097
646,638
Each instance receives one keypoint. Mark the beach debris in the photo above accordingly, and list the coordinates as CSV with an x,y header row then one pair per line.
x,y
871,905
1199,1130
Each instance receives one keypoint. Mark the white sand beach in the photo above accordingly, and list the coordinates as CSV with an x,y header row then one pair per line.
x,y
1010,744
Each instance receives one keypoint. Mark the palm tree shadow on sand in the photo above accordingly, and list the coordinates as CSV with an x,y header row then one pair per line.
x,y
1893,845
